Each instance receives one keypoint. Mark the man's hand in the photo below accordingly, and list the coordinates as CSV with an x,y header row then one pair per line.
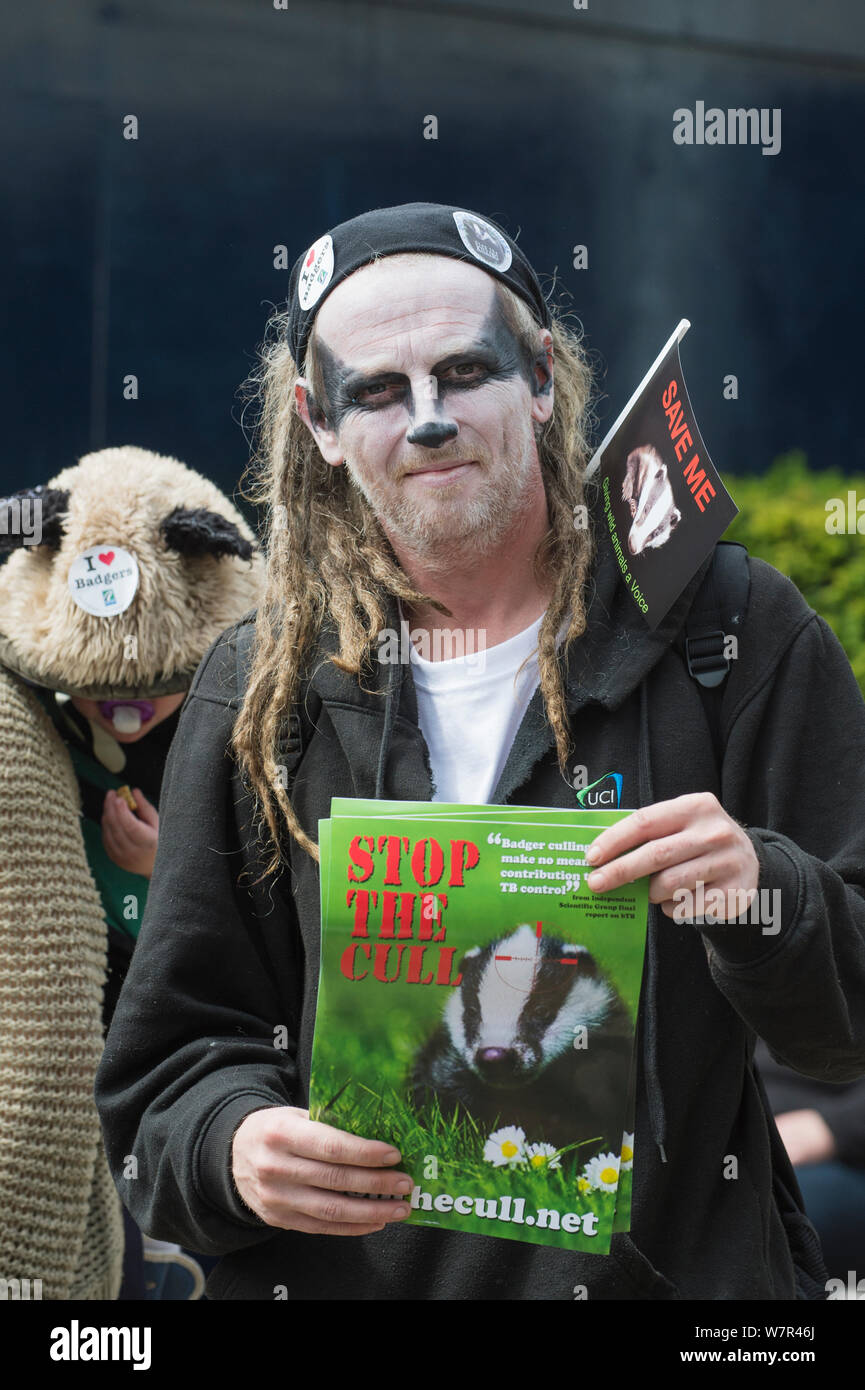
x,y
807,1137
679,843
130,839
293,1171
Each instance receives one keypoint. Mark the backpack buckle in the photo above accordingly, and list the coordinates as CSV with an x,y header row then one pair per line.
x,y
705,657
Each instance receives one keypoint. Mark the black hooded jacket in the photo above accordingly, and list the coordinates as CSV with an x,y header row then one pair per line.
x,y
223,965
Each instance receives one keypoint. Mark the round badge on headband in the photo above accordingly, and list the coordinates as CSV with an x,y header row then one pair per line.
x,y
431,228
316,273
486,244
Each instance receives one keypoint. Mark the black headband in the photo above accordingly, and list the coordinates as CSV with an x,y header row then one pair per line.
x,y
431,227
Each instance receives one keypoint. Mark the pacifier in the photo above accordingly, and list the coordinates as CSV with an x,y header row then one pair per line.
x,y
127,716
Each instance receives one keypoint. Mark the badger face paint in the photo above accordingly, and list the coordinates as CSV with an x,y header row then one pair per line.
x,y
428,394
494,355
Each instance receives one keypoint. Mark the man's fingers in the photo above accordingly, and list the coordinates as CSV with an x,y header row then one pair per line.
x,y
649,823
311,1227
294,1171
340,1177
313,1139
708,833
717,874
328,1208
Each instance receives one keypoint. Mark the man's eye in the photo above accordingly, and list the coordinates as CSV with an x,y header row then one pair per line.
x,y
378,393
465,372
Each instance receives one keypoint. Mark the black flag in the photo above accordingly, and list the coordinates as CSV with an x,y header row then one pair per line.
x,y
664,503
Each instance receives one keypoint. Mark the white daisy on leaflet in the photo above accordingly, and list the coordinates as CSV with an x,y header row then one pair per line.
x,y
543,1156
602,1172
505,1147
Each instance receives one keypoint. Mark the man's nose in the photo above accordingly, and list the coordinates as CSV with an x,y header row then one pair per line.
x,y
430,426
431,434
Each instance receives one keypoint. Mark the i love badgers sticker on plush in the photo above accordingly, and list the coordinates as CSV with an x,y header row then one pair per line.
x,y
476,1008
103,580
663,500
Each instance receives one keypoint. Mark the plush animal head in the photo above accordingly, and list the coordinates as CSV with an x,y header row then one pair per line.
x,y
124,569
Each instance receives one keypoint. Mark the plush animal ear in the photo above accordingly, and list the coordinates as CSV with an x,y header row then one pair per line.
x,y
197,531
53,504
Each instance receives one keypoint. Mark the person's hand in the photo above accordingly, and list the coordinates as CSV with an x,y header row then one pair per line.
x,y
130,839
293,1172
679,843
807,1137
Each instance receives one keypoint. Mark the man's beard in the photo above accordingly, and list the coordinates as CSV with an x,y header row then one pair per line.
x,y
442,526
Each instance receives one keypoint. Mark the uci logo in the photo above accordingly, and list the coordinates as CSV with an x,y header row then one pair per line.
x,y
605,793
597,798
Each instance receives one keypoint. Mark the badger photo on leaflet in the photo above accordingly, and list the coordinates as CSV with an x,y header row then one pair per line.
x,y
649,495
504,1049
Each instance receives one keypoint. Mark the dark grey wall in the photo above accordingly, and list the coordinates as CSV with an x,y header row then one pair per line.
x,y
260,127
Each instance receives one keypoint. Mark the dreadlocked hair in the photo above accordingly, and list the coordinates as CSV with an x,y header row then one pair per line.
x,y
328,558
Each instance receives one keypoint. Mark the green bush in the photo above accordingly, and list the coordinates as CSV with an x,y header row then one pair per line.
x,y
782,519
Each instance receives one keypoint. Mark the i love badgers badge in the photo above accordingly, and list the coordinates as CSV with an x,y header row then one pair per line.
x,y
104,580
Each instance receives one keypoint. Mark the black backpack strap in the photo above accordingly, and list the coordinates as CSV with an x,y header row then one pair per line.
x,y
717,612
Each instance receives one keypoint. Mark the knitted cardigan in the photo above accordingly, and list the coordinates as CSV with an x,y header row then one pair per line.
x,y
60,1216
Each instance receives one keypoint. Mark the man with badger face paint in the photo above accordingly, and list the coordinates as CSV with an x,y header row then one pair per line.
x,y
422,442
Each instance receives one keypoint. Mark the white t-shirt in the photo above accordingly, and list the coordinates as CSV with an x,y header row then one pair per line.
x,y
469,710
